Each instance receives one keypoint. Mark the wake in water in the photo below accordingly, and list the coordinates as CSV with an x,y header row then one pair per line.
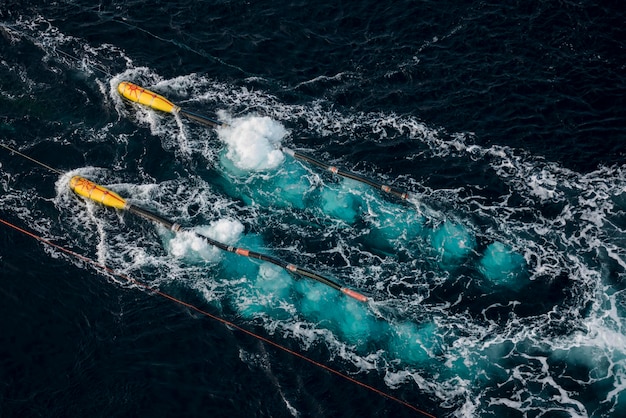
x,y
458,354
503,294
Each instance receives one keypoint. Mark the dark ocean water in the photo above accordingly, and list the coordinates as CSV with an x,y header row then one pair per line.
x,y
497,290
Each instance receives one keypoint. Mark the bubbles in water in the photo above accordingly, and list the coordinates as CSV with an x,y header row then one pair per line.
x,y
267,293
395,222
288,186
340,201
350,319
452,242
413,343
501,265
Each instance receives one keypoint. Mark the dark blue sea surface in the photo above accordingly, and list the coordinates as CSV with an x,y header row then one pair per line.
x,y
497,289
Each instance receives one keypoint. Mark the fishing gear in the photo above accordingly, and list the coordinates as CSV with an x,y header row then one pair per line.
x,y
148,98
106,197
90,190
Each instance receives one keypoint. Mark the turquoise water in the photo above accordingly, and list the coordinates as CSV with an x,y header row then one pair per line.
x,y
494,290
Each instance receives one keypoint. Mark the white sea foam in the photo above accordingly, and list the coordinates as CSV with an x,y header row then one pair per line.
x,y
185,242
253,142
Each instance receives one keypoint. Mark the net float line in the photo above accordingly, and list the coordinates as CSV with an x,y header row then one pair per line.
x,y
155,101
90,190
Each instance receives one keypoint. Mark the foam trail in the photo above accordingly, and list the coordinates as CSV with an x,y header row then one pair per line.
x,y
252,144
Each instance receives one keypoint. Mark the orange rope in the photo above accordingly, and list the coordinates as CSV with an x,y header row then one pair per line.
x,y
217,318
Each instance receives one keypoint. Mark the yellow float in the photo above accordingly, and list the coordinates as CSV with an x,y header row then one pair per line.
x,y
90,190
145,97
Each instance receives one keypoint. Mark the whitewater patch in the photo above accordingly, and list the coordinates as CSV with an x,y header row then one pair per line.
x,y
253,142
188,243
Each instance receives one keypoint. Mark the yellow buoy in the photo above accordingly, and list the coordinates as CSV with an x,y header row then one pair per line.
x,y
91,190
146,97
